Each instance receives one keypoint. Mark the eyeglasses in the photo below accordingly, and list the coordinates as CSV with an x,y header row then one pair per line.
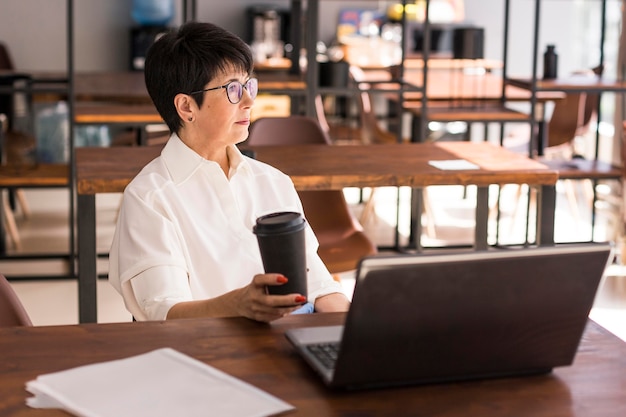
x,y
234,89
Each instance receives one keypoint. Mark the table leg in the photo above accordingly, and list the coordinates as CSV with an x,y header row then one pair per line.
x,y
87,258
417,208
546,205
542,137
416,129
482,218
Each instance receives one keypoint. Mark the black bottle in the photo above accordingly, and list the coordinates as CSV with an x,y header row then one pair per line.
x,y
550,59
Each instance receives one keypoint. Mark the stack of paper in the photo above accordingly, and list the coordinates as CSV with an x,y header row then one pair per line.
x,y
453,164
163,382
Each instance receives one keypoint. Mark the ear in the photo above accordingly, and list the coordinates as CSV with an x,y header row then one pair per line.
x,y
185,106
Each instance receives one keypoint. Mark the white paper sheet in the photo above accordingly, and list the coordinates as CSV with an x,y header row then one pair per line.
x,y
453,164
163,382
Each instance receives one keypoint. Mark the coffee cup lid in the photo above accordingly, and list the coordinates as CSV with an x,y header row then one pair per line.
x,y
280,222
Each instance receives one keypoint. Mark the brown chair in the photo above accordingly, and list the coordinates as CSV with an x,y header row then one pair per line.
x,y
570,118
291,130
371,130
337,133
341,238
12,312
373,133
5,58
567,120
368,131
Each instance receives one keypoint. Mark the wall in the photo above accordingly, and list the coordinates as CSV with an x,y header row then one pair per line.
x,y
37,40
574,27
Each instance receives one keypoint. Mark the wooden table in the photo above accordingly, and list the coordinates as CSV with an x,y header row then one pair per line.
x,y
574,83
43,175
453,94
321,167
260,355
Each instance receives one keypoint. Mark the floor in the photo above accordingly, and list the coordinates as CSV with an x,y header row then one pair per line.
x,y
51,302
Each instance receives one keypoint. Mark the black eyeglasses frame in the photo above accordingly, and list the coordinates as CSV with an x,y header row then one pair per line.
x,y
225,86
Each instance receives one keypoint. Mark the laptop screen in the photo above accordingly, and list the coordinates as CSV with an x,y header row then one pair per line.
x,y
425,318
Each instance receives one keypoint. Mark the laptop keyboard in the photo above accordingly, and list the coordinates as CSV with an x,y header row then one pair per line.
x,y
326,353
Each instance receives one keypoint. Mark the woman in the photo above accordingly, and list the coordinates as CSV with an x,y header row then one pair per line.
x,y
184,245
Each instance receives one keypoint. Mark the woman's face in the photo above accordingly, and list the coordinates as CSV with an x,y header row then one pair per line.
x,y
219,120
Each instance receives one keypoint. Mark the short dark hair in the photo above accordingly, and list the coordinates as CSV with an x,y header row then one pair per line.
x,y
186,59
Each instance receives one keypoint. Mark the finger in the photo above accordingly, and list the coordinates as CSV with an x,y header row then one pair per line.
x,y
261,280
289,300
274,313
267,313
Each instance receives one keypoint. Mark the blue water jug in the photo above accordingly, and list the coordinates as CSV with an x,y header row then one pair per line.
x,y
52,130
152,12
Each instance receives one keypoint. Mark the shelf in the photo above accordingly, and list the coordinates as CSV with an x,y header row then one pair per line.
x,y
46,87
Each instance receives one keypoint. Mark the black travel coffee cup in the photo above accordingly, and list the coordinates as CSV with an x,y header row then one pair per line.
x,y
281,242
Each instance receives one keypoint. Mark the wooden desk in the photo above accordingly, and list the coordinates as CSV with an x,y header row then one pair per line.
x,y
322,167
260,355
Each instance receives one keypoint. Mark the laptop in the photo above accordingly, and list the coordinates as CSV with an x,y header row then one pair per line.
x,y
421,319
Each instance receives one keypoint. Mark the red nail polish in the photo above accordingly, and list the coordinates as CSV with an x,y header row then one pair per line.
x,y
300,299
281,279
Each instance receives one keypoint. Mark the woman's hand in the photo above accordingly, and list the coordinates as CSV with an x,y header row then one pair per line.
x,y
255,303
251,301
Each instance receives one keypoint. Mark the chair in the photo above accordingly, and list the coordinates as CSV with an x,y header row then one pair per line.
x,y
567,121
341,238
571,118
12,312
291,130
338,133
368,130
5,58
373,133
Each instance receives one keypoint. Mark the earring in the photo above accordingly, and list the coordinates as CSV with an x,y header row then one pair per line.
x,y
190,119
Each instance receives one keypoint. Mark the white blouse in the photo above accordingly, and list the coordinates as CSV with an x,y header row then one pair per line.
x,y
184,230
